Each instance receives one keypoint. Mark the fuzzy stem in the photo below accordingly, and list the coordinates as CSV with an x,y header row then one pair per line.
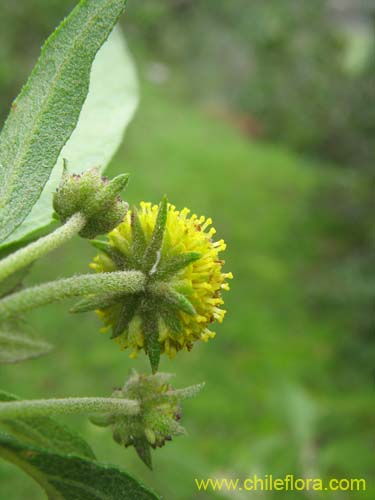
x,y
67,406
28,254
84,284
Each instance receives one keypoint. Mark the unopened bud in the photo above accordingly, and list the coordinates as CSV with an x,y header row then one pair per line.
x,y
157,421
95,197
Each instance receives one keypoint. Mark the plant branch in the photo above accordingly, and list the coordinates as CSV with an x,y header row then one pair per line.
x,y
28,254
84,284
67,406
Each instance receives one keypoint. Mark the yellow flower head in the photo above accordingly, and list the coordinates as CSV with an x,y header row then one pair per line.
x,y
182,297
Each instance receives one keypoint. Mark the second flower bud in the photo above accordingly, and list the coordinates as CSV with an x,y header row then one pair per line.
x,y
94,196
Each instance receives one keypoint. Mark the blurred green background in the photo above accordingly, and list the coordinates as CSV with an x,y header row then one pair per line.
x,y
261,115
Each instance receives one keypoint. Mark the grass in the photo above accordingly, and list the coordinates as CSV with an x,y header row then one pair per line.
x,y
267,369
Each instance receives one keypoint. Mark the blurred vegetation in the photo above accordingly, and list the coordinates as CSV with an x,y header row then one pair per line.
x,y
288,376
288,66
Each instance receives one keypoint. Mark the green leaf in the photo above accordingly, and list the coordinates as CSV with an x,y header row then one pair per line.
x,y
68,477
45,432
110,105
45,113
16,347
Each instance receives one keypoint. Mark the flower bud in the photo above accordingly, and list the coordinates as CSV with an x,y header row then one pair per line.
x,y
157,421
95,197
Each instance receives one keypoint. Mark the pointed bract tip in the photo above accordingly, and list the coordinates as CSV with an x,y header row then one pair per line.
x,y
100,244
119,183
65,167
143,451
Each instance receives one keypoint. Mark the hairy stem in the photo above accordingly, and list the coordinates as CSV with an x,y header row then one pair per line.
x,y
37,249
84,284
67,406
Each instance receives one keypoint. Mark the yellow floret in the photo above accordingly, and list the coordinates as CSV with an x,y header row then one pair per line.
x,y
201,282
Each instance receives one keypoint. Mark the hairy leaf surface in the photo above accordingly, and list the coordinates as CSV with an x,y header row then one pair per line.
x,y
68,477
44,115
109,107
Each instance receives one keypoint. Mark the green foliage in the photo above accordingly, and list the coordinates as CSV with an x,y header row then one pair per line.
x,y
41,121
285,74
62,462
70,476
47,110
108,108
307,394
350,133
344,287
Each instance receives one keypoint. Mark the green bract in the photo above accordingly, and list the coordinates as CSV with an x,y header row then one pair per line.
x,y
158,419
